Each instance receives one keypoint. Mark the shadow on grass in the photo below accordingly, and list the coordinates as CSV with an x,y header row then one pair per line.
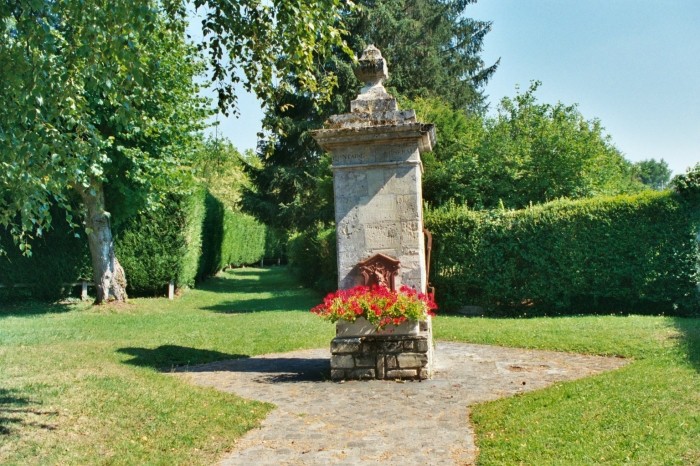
x,y
10,403
32,308
173,358
15,411
690,334
275,303
249,280
170,357
273,370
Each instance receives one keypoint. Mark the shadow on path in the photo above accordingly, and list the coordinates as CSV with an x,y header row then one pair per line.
x,y
690,335
173,358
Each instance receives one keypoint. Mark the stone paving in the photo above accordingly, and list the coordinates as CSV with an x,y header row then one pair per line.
x,y
319,422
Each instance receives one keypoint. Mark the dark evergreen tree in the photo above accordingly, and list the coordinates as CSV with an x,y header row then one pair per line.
x,y
432,49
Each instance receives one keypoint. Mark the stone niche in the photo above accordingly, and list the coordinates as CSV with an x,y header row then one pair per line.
x,y
377,173
379,270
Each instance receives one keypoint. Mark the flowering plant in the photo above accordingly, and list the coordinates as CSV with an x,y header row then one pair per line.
x,y
379,305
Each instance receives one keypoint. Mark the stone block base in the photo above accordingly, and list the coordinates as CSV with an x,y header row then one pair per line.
x,y
383,357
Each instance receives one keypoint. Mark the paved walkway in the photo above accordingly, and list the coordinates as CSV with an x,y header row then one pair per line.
x,y
319,422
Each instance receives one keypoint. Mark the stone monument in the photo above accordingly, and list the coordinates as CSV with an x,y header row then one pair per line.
x,y
377,174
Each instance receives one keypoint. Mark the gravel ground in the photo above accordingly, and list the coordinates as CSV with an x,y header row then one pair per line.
x,y
319,422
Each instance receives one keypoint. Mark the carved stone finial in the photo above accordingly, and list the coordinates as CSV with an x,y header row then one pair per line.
x,y
373,98
372,69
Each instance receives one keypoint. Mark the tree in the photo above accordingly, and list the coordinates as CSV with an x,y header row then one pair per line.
x,y
531,152
220,167
451,172
432,49
654,174
96,91
431,46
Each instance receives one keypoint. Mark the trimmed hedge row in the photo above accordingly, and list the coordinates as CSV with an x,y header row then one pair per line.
x,y
229,238
163,245
621,254
57,258
188,239
312,258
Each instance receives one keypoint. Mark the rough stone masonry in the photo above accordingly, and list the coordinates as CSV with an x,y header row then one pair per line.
x,y
377,174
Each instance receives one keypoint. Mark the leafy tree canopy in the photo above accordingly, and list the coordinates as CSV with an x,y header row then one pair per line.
x,y
530,152
220,166
95,92
654,174
432,49
257,44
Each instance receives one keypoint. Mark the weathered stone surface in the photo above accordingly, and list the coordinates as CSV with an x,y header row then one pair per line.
x,y
363,328
345,345
408,360
391,346
337,374
377,176
421,346
365,361
342,361
381,366
361,374
391,362
402,374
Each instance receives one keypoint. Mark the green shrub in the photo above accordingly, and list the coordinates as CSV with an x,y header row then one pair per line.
x,y
244,239
58,258
276,245
229,238
211,260
688,184
190,237
312,257
620,254
162,245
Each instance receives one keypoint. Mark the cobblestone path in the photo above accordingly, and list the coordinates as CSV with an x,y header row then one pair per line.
x,y
319,422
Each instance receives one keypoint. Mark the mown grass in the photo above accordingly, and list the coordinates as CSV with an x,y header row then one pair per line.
x,y
89,385
85,385
647,413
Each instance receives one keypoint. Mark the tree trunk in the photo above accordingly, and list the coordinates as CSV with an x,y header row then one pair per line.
x,y
108,274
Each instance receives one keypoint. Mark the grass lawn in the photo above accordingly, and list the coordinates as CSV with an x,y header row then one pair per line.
x,y
647,413
84,385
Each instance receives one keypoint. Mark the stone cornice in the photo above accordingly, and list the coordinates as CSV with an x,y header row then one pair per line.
x,y
423,133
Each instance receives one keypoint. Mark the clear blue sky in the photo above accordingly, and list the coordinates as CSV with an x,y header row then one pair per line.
x,y
633,64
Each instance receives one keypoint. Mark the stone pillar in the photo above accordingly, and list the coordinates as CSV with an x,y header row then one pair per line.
x,y
377,175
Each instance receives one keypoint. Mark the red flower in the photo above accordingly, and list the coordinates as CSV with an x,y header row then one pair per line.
x,y
378,305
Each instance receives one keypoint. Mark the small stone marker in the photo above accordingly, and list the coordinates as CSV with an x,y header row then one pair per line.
x,y
377,174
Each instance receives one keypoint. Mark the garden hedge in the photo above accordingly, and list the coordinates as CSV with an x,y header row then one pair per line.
x,y
162,245
312,257
58,258
188,238
229,239
611,254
